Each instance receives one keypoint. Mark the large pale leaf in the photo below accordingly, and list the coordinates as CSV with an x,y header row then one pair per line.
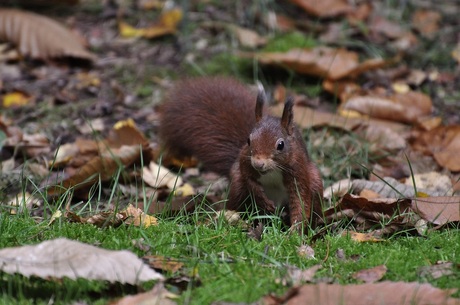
x,y
39,36
62,257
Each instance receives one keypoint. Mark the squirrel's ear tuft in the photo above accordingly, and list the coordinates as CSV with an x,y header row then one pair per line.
x,y
260,101
287,120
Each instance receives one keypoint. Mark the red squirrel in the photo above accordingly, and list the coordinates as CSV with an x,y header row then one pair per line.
x,y
223,124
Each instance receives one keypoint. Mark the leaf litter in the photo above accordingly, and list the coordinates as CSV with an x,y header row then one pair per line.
x,y
371,95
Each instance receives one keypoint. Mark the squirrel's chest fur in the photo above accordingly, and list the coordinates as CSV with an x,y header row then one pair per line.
x,y
273,185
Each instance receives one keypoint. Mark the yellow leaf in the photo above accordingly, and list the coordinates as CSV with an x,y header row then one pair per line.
x,y
184,190
128,31
362,237
125,123
15,99
56,215
138,218
171,18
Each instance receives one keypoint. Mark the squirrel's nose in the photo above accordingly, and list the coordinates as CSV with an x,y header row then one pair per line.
x,y
258,164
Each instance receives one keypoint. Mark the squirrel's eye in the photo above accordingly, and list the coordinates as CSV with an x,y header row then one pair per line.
x,y
249,142
280,144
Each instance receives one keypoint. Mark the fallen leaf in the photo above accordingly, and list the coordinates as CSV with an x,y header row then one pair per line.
x,y
366,214
397,293
296,276
426,22
362,237
62,257
248,38
437,270
438,210
323,62
306,251
16,99
432,183
443,143
253,232
158,295
39,36
371,275
163,263
405,108
324,8
158,176
167,25
136,217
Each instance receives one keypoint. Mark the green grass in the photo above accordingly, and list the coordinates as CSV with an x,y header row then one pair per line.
x,y
231,266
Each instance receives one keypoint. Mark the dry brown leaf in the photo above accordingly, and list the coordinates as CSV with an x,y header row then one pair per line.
x,y
438,270
323,62
405,108
306,117
163,263
126,133
371,275
137,217
365,214
248,38
388,28
39,36
296,276
360,14
62,257
324,8
158,295
426,22
395,293
443,143
98,168
438,210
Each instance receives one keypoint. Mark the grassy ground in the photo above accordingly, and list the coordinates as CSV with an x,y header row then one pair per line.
x,y
230,266
221,261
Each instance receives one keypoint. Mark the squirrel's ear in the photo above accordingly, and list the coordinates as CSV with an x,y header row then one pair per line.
x,y
261,99
287,121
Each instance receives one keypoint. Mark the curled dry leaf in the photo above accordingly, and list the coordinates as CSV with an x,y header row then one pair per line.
x,y
62,257
39,36
367,213
158,176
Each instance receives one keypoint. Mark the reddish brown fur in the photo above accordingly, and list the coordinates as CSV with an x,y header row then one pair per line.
x,y
209,118
212,118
